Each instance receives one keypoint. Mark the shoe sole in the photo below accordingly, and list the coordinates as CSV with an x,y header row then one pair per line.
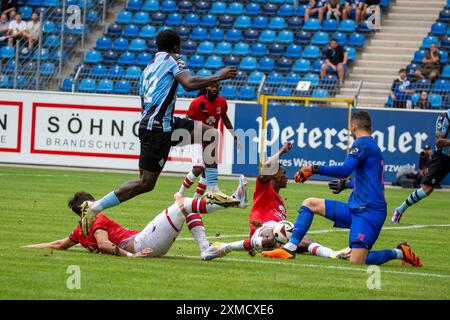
x,y
222,201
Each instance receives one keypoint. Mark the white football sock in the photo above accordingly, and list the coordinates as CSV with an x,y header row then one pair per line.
x,y
320,251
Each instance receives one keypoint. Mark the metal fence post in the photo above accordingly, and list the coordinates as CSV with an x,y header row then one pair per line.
x,y
83,23
61,45
104,12
16,66
38,70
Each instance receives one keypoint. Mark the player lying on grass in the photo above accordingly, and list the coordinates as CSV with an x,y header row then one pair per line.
x,y
269,208
366,210
107,236
439,167
208,108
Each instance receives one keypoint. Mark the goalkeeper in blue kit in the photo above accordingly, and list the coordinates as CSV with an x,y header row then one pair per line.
x,y
366,210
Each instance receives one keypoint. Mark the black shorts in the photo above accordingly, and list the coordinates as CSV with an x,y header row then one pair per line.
x,y
156,144
438,169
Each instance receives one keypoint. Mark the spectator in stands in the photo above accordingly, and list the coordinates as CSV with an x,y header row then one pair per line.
x,y
8,6
4,26
315,6
16,29
12,15
336,60
431,64
401,90
357,5
33,30
423,102
372,7
333,8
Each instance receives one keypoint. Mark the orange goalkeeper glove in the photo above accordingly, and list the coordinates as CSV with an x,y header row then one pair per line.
x,y
305,173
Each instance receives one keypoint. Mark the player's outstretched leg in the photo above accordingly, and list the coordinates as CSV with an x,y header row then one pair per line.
x,y
412,199
188,182
402,252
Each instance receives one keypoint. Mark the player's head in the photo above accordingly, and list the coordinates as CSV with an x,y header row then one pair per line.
x,y
333,43
361,123
168,41
280,179
213,91
77,199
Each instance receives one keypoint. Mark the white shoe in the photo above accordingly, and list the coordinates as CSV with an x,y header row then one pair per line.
x,y
216,250
241,192
343,254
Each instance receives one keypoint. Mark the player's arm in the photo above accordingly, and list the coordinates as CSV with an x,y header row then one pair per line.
x,y
267,171
106,246
227,123
440,140
62,244
191,82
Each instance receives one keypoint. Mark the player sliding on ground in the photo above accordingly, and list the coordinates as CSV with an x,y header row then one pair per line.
x,y
439,167
159,129
106,236
208,108
366,210
268,209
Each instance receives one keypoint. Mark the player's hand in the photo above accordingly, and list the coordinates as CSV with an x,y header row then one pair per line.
x,y
286,147
146,252
305,173
337,185
227,73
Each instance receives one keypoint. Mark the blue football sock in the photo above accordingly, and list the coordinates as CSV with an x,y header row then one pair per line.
x,y
212,178
381,256
412,199
301,226
108,201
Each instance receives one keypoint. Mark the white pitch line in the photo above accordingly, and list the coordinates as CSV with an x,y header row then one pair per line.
x,y
416,226
317,266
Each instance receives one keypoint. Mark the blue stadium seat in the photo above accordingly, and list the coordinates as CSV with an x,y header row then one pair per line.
x,y
209,20
133,72
35,3
105,86
202,7
266,64
293,51
285,37
130,31
205,48
231,62
255,77
10,66
312,25
423,85
320,93
302,66
295,23
204,73
92,56
120,44
412,68
116,72
260,22
435,101
134,5
445,43
340,37
252,9
248,64
137,45
351,53
329,81
268,36
313,78
247,93
286,10
347,26
92,16
438,29
65,86
114,30
243,22
226,21
415,98
218,8
426,43
216,34
276,50
224,48
302,37
258,49
283,91
234,35
251,35
444,57
192,20
229,92
48,27
311,52
158,18
122,87
419,55
127,58
52,41
199,33
88,85
98,71
241,49
241,76
356,40
124,17
320,38
174,19
168,6
89,4
26,12
270,9
141,18
292,78
147,32
189,47
184,33
236,8
283,65
110,57
277,23
317,65
301,10
185,6
143,58
197,61
330,25
444,16
441,86
213,62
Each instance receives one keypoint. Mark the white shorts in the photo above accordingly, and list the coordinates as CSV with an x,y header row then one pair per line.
x,y
158,235
197,155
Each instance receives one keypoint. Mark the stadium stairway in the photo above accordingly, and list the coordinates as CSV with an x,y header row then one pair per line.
x,y
402,32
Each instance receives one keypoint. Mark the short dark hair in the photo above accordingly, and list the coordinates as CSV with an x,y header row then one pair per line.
x,y
402,70
77,199
167,40
363,120
333,39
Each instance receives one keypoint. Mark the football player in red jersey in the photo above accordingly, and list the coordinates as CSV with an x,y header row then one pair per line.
x,y
269,208
107,236
209,108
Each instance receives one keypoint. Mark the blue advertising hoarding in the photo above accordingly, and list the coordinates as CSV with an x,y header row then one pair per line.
x,y
320,136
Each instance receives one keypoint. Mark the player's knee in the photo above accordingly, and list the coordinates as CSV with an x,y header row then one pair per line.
x,y
357,259
428,189
312,203
146,185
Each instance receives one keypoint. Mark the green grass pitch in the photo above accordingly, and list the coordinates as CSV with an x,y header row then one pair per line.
x,y
33,209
